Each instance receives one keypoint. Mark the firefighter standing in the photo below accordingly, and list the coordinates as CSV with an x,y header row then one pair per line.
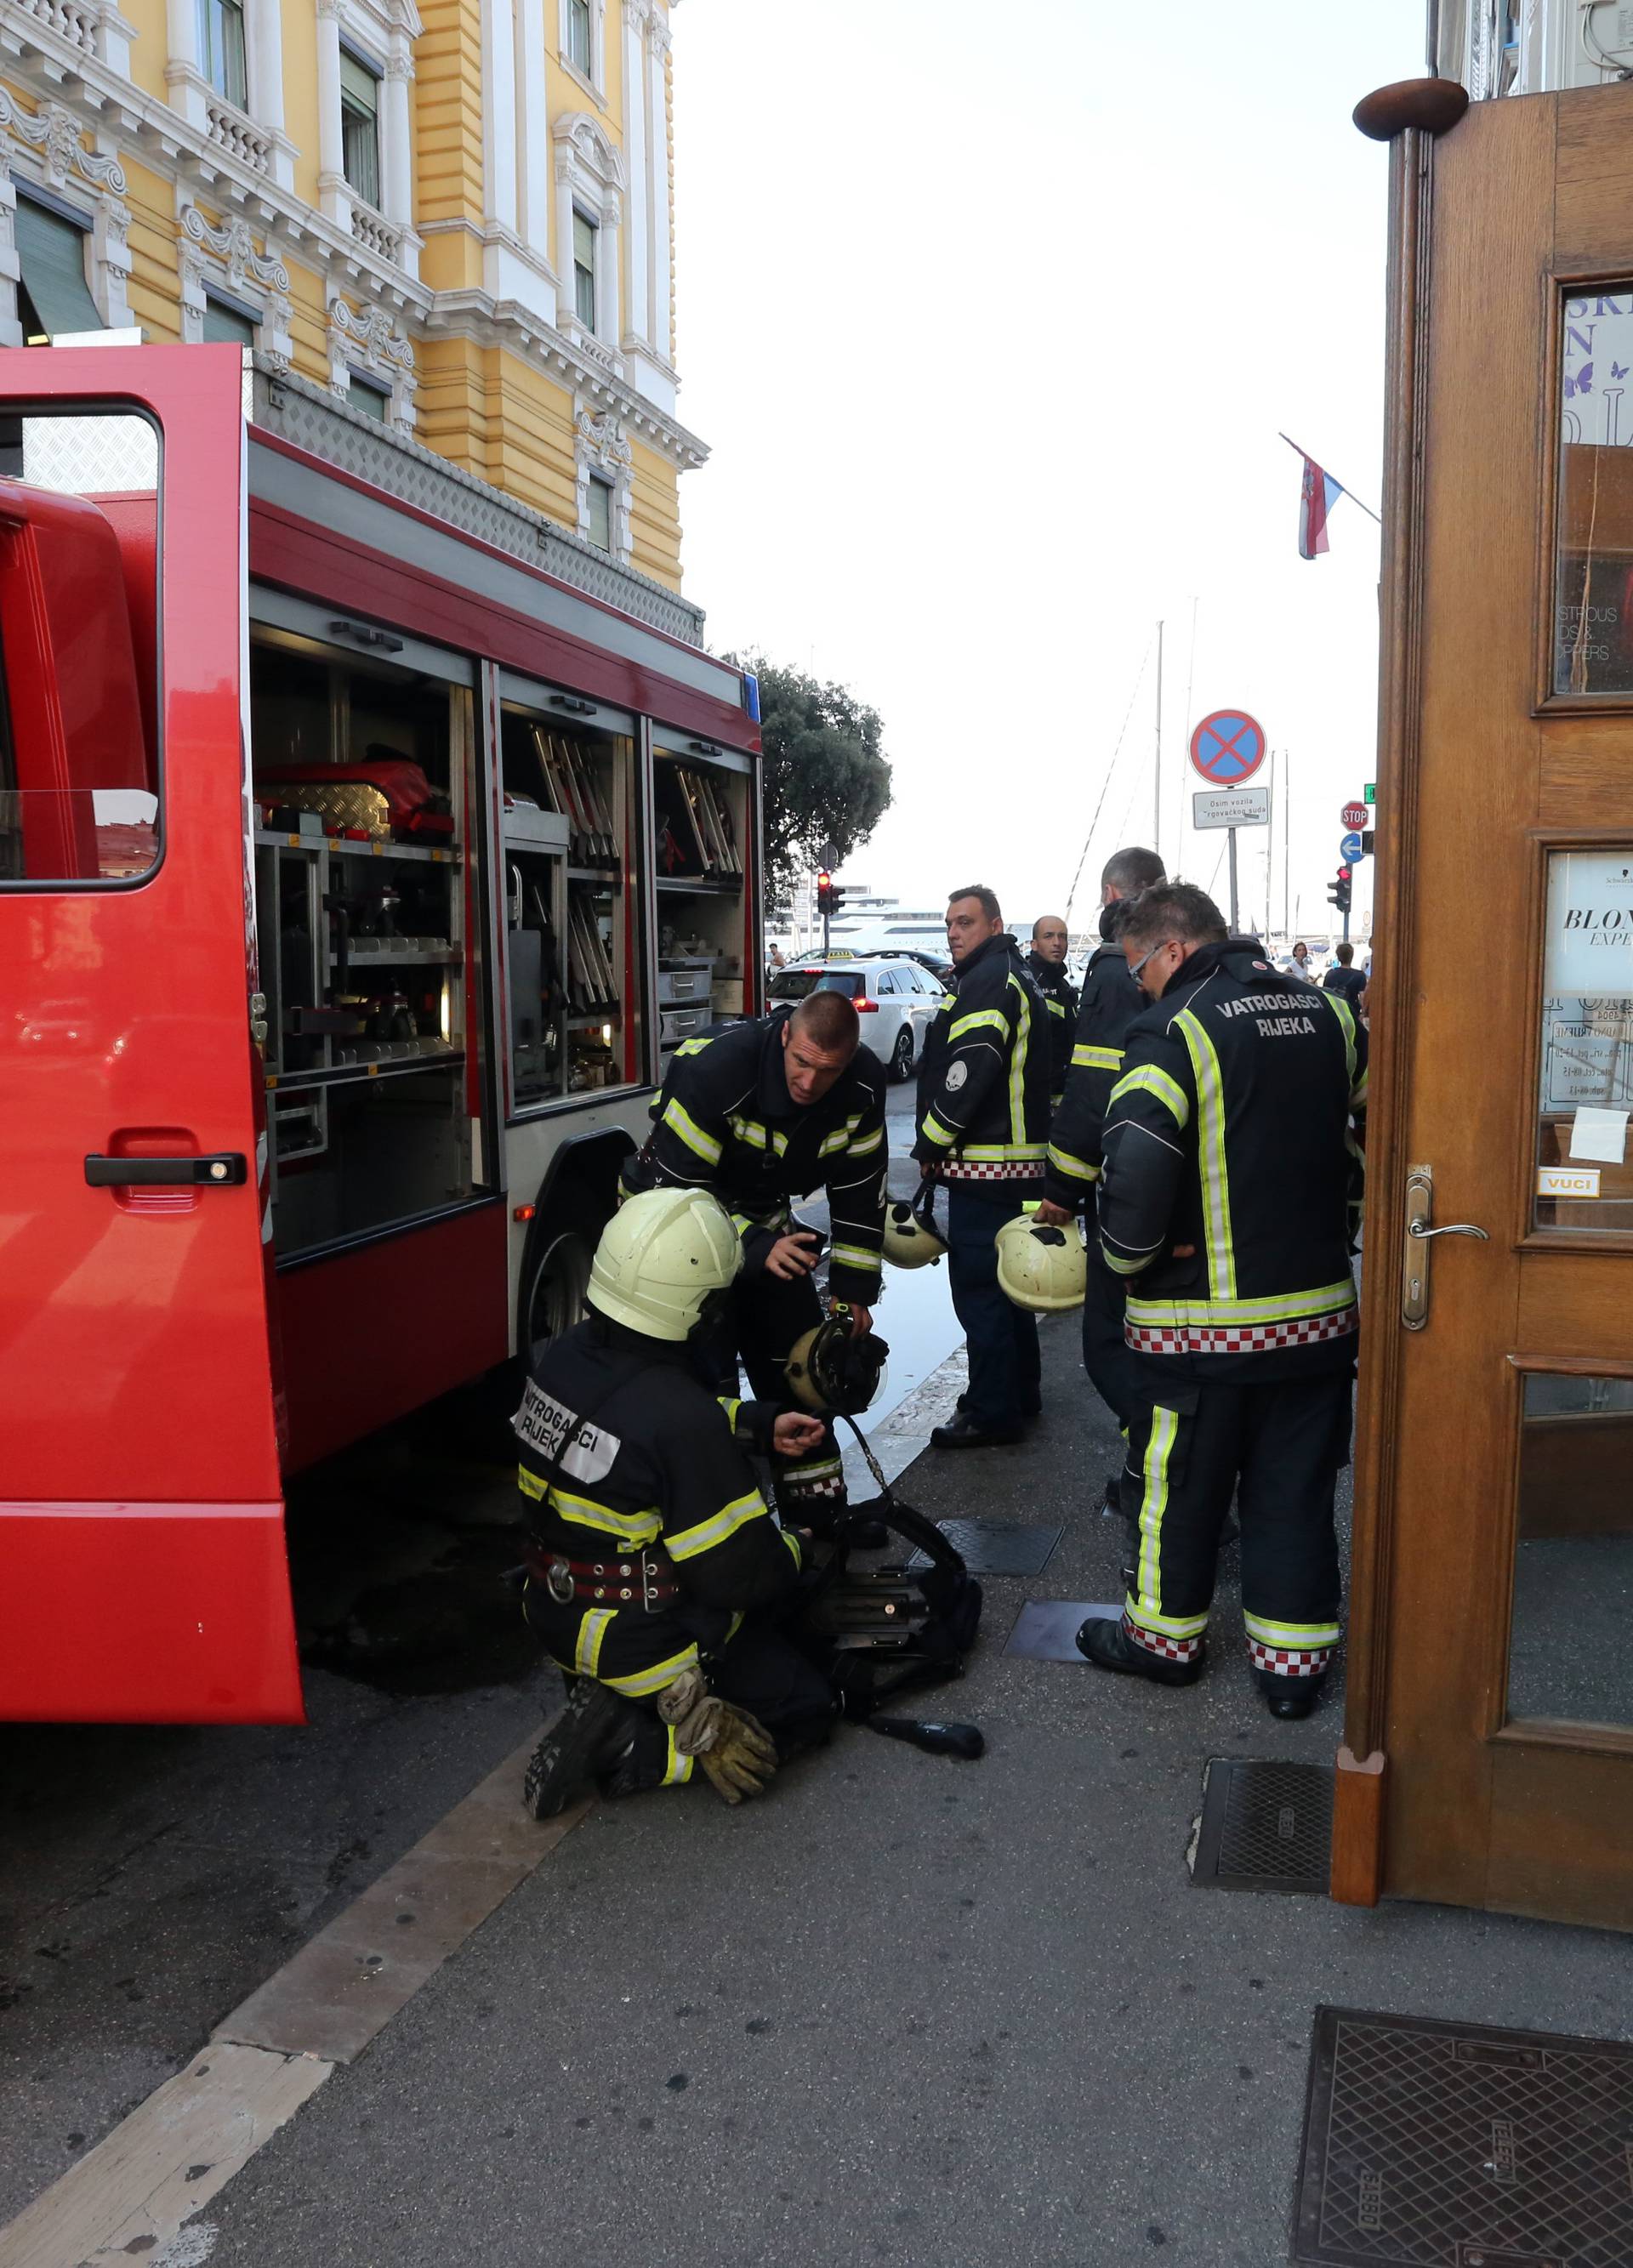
x,y
1223,1201
655,1569
1046,965
760,1112
983,1117
1111,1001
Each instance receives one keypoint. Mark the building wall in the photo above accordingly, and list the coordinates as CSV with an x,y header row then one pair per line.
x,y
454,293
1499,47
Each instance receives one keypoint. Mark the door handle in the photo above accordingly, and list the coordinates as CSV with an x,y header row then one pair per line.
x,y
225,1169
1420,1208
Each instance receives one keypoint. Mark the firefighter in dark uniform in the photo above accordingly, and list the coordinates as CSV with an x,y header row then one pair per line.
x,y
656,1572
761,1112
1223,1201
1111,1001
983,1120
1046,965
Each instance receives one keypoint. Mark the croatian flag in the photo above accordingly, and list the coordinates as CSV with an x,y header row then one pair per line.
x,y
1320,493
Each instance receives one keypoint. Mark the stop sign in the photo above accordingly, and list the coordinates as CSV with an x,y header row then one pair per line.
x,y
1355,815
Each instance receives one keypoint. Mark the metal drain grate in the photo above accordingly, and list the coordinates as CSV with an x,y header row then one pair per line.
x,y
1264,1827
1454,2146
996,1547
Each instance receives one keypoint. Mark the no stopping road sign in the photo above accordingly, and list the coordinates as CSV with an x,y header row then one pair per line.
x,y
1228,747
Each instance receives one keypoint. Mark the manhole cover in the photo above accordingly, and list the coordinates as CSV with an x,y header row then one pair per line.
x,y
1264,1827
995,1547
1454,2146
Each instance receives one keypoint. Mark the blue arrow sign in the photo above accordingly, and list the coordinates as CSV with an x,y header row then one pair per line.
x,y
1350,849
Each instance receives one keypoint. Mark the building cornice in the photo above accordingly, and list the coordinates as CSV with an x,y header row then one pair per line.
x,y
103,103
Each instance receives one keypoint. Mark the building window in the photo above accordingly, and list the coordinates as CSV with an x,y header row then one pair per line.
x,y
373,400
359,125
221,49
584,270
227,324
53,298
598,526
578,36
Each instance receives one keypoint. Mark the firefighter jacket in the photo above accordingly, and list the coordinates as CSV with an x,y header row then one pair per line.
x,y
636,1476
725,1121
984,1078
1111,999
1060,1000
1229,1130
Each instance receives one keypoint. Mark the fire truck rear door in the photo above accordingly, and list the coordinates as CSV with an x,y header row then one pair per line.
x,y
141,1518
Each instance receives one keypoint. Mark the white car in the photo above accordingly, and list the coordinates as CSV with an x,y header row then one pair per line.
x,y
900,992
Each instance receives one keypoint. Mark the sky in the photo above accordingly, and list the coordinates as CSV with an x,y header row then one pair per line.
x,y
991,316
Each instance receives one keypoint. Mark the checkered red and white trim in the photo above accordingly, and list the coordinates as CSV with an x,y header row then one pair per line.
x,y
1238,1338
1291,1660
995,1169
1159,1643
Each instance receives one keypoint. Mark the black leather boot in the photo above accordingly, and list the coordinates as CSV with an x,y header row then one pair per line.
x,y
594,1734
1290,1696
1109,1647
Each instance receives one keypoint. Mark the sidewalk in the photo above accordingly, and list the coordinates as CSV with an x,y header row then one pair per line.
x,y
908,2010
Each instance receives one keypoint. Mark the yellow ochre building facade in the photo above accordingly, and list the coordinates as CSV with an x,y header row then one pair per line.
x,y
442,225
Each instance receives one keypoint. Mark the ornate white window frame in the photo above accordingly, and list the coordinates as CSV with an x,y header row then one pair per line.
x,y
382,32
43,148
596,83
590,175
365,340
602,450
225,258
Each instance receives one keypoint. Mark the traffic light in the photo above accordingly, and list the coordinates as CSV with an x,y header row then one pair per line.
x,y
827,896
1367,840
1338,889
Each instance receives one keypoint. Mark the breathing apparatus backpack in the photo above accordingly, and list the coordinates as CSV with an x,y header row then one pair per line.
x,y
878,1631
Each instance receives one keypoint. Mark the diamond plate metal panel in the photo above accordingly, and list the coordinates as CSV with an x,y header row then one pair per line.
x,y
1266,1826
996,1547
1433,2145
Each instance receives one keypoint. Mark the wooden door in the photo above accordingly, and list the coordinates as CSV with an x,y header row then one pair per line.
x,y
1489,1755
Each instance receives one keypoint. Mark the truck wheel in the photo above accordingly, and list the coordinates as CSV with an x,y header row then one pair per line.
x,y
555,1299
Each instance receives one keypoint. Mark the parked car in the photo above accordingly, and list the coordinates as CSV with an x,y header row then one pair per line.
x,y
898,990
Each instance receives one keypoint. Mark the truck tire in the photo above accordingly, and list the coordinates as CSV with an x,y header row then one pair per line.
x,y
553,1299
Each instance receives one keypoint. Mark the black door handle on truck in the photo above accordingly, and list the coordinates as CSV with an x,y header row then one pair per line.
x,y
225,1170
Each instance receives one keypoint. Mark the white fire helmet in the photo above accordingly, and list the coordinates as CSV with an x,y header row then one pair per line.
x,y
1042,1268
662,1258
912,1239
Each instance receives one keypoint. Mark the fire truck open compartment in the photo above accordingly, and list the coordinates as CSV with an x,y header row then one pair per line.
x,y
360,778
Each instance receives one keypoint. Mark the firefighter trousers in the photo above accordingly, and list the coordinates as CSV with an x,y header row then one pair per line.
x,y
763,1320
759,1670
1279,1447
1113,1365
1001,1339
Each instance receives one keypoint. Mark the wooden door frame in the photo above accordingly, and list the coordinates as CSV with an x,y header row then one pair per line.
x,y
1358,1816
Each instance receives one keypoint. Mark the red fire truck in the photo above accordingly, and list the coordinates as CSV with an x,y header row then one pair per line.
x,y
355,876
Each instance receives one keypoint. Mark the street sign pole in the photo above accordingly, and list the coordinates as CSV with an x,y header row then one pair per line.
x,y
1230,834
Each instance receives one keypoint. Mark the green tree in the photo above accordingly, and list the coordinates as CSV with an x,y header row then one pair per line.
x,y
824,777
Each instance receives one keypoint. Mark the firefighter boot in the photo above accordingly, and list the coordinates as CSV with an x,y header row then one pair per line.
x,y
1288,1697
1109,1647
594,1734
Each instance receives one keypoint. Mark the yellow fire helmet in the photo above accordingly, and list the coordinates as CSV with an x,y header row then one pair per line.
x,y
663,1258
1041,1268
912,1239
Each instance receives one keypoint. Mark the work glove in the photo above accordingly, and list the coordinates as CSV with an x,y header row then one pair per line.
x,y
737,1754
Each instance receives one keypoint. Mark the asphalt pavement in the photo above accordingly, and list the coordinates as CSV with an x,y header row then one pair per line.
x,y
906,2008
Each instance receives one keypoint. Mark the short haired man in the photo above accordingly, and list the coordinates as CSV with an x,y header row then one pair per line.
x,y
761,1112
983,1120
1046,963
1343,976
657,1575
1111,1001
1234,1240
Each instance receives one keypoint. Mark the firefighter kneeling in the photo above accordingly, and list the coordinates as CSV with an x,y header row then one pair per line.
x,y
657,1572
